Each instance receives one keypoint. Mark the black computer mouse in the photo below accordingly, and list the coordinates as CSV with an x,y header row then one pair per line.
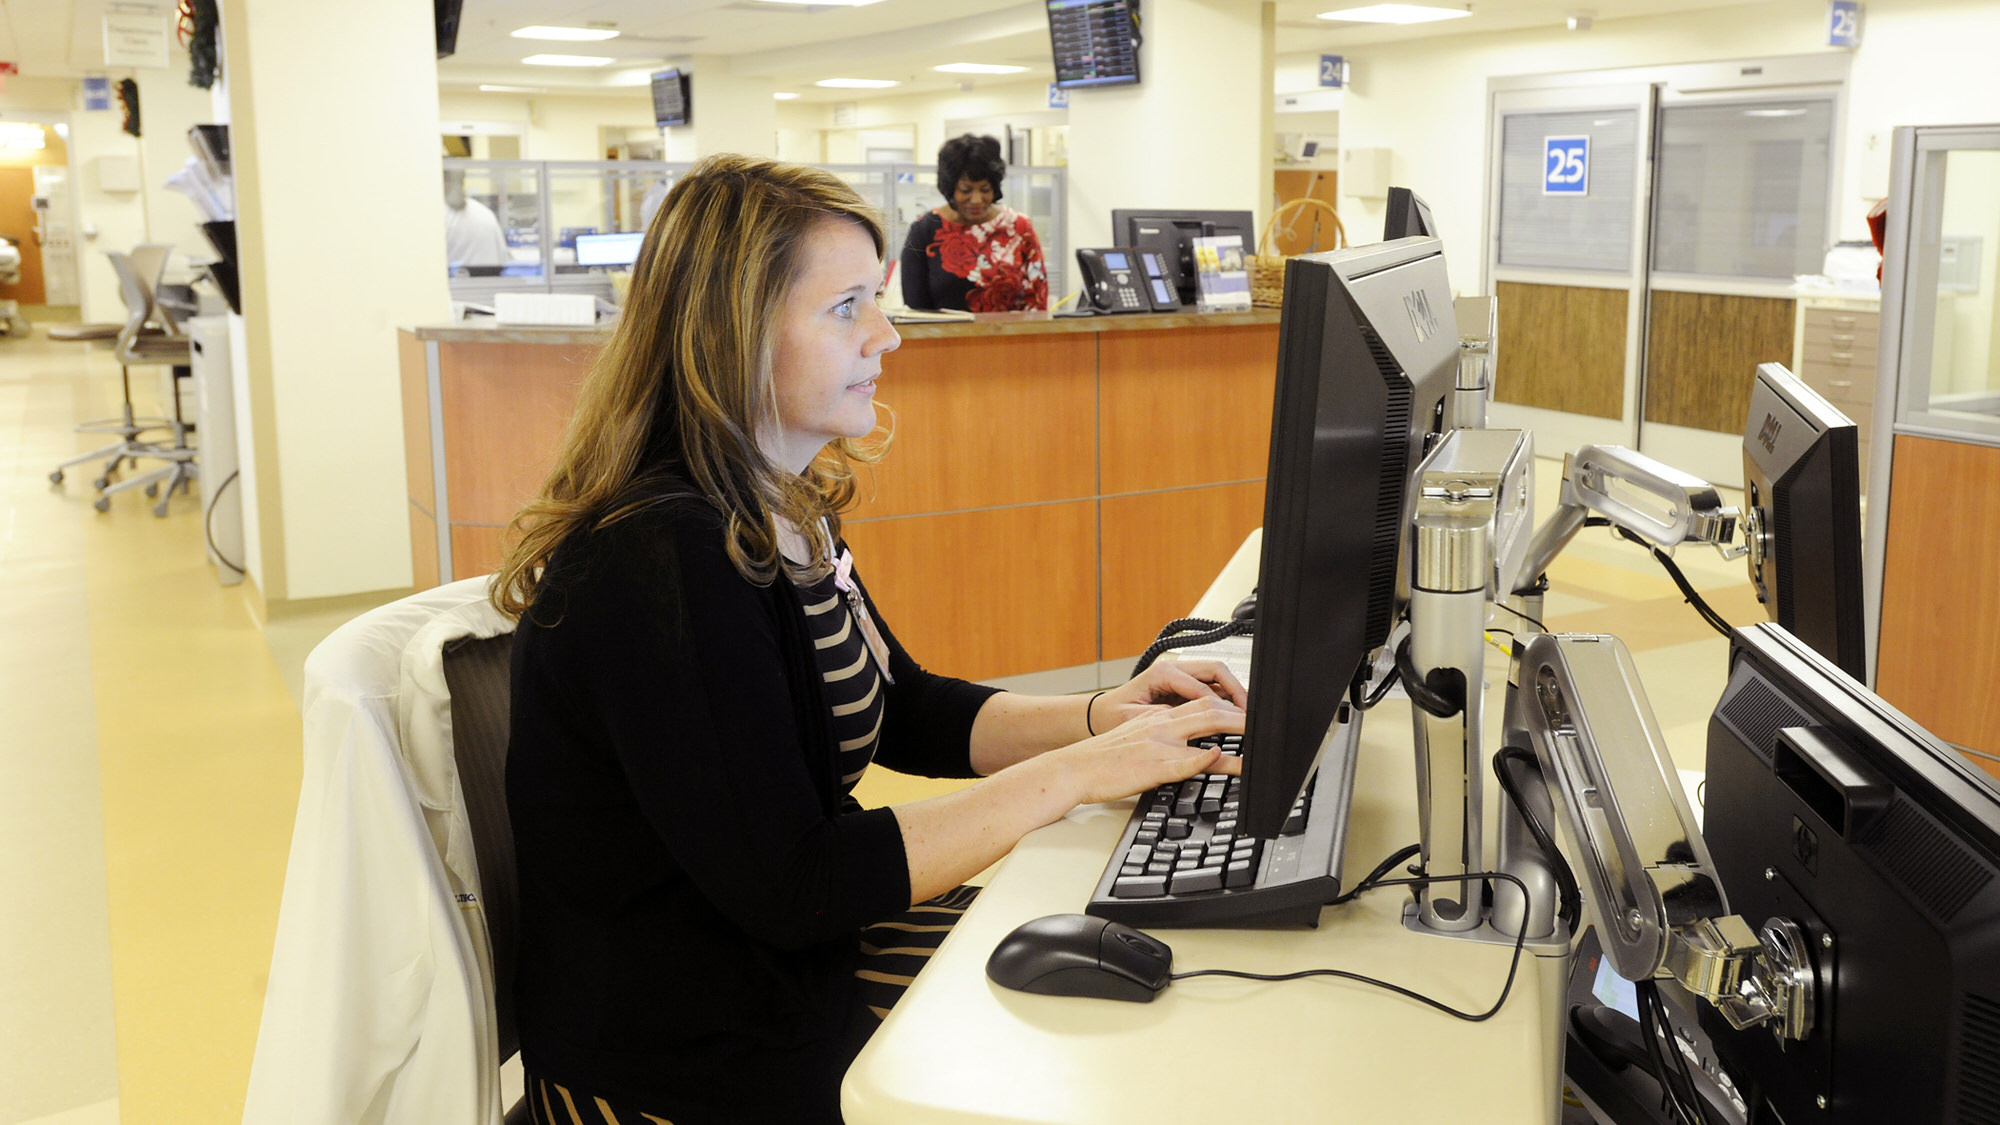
x,y
1077,955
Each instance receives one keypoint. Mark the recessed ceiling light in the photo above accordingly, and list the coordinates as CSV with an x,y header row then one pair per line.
x,y
1795,112
566,34
857,83
1395,13
569,60
825,3
21,134
785,95
514,89
979,68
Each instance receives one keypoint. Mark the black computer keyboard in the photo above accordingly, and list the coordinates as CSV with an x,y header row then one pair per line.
x,y
1182,862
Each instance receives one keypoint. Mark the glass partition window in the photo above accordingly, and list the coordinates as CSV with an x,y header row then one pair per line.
x,y
1965,367
478,194
1741,188
595,199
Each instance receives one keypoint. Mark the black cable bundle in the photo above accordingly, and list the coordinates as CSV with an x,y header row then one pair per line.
x,y
1191,632
1678,1095
1687,590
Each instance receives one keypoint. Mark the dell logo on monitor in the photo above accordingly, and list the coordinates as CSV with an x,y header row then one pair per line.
x,y
1768,436
1421,317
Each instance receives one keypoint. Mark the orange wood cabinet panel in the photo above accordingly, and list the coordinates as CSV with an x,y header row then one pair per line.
x,y
414,369
1160,552
1561,347
990,593
1185,407
1702,353
423,548
505,406
985,421
475,550
1938,656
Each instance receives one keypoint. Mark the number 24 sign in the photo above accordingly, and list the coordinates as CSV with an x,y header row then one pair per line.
x,y
1566,166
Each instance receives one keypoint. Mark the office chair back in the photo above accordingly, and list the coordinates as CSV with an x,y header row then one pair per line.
x,y
149,262
138,343
476,674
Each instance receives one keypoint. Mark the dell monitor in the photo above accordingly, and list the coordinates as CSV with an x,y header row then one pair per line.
x,y
673,99
1802,502
1367,355
1827,806
1409,216
1172,235
618,249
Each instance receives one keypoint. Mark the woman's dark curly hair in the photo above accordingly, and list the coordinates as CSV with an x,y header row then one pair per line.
x,y
970,157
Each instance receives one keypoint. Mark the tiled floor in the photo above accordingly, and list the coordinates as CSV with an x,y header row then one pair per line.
x,y
150,764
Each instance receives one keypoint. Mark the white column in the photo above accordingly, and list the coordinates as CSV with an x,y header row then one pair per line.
x,y
334,133
105,220
728,113
1195,134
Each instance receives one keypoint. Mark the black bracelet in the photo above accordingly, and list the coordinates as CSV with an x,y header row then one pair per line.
x,y
1086,713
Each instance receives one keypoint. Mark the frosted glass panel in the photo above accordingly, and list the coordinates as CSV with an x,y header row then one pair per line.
x,y
1741,189
1587,230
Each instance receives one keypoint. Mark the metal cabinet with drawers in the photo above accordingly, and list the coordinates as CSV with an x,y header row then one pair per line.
x,y
1836,357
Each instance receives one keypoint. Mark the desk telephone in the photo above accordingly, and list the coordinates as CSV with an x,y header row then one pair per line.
x,y
1119,279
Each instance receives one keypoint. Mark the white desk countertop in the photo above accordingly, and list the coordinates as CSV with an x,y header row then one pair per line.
x,y
958,1048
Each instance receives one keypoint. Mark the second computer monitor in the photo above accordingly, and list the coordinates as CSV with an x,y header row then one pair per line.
x,y
1367,353
1802,488
1172,233
1408,216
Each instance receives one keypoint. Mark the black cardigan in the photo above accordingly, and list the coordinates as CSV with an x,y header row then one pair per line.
x,y
692,880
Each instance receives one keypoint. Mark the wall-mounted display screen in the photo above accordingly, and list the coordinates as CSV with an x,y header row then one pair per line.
x,y
1096,42
672,103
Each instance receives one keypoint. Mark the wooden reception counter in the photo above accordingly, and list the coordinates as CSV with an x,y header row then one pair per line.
x,y
1057,489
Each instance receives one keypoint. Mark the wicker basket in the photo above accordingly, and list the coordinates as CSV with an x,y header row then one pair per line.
x,y
1267,266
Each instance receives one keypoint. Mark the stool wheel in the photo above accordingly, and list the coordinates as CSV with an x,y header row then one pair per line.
x,y
102,504
56,477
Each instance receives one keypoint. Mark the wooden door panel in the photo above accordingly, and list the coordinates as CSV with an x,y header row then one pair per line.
x,y
17,221
1561,347
1702,352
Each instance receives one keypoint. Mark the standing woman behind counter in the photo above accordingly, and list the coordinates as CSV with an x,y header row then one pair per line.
x,y
711,926
973,253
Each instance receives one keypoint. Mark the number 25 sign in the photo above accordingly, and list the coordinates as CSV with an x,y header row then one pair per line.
x,y
1566,166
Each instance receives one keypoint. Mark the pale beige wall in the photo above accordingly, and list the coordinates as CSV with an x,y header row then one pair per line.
x,y
557,127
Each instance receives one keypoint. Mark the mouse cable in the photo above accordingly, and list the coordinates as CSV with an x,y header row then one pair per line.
x,y
1513,966
1510,609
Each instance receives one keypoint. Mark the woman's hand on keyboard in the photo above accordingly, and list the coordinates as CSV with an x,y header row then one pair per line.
x,y
1150,749
1162,686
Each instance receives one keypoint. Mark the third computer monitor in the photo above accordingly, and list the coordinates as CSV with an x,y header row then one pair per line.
x,y
1802,478
1367,353
1171,233
1408,216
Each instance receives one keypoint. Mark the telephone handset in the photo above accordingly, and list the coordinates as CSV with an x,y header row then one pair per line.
x,y
1119,279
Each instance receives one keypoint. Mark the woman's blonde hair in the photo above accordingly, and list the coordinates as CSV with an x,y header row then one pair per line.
x,y
673,404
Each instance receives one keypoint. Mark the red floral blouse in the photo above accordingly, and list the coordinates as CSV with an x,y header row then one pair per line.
x,y
994,266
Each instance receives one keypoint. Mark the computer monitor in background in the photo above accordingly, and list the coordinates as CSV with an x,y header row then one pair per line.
x,y
1171,233
1802,499
1826,806
1408,215
618,249
1367,354
673,98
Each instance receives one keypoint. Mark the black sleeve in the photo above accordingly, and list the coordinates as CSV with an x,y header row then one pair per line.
x,y
927,722
681,663
916,267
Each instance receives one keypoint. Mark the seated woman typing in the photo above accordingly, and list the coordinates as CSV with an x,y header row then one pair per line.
x,y
973,253
700,678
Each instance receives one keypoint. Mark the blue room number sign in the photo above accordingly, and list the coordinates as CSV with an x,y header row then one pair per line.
x,y
1566,166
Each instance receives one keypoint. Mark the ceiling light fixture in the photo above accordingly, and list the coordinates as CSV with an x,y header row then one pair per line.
x,y
1396,13
824,3
565,34
1580,19
569,60
786,95
1793,112
857,83
979,68
513,89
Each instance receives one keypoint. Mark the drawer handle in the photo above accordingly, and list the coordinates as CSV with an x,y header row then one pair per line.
x,y
1844,321
1841,383
1844,339
1841,357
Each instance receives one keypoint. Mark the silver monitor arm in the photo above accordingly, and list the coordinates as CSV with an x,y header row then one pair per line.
x,y
1654,501
1652,886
